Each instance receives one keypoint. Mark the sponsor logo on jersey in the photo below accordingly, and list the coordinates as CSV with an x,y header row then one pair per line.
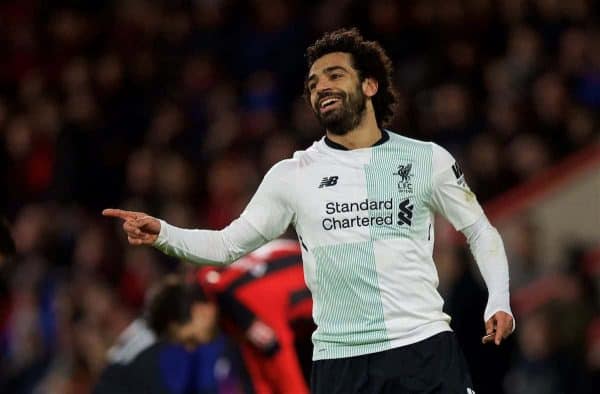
x,y
406,213
328,181
366,213
404,185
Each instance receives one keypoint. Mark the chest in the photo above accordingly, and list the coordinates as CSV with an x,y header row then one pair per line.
x,y
383,197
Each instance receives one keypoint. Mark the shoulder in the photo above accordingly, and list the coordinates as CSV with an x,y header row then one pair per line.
x,y
281,172
397,138
304,158
441,157
422,147
149,355
300,159
162,368
136,338
444,161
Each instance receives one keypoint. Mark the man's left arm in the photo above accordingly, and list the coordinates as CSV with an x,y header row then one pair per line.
x,y
452,198
488,250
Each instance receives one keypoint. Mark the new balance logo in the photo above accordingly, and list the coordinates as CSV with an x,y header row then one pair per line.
x,y
406,212
328,181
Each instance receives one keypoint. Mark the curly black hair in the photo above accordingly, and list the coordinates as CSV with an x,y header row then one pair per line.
x,y
368,59
171,302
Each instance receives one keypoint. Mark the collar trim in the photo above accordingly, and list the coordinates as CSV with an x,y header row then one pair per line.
x,y
385,136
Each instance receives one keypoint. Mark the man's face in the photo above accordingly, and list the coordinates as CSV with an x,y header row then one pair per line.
x,y
202,326
336,93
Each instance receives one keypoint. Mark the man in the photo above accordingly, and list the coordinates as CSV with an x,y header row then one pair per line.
x,y
362,200
263,300
146,357
259,298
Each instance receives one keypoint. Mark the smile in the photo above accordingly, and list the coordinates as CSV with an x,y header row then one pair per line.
x,y
329,103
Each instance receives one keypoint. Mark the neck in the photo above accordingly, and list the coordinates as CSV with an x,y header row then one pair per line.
x,y
365,135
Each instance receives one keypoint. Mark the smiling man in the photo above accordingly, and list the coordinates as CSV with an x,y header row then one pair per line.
x,y
338,110
362,200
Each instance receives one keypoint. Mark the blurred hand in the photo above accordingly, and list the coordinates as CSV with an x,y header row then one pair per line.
x,y
498,327
141,228
262,336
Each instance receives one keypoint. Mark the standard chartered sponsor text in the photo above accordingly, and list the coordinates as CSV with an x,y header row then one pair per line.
x,y
377,212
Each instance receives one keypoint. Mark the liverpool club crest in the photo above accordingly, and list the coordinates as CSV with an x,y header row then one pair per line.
x,y
404,184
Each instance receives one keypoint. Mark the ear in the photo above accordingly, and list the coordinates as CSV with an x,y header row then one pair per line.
x,y
370,87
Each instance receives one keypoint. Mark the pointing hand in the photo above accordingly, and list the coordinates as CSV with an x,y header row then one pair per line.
x,y
141,228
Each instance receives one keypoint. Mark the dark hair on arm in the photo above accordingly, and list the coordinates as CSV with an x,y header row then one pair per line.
x,y
170,302
370,61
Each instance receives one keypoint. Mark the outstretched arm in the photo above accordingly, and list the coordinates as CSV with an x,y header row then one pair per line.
x,y
198,246
267,216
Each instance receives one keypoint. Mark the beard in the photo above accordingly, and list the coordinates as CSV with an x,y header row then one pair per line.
x,y
348,116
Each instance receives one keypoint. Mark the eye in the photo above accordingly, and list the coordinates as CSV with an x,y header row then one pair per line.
x,y
311,86
335,76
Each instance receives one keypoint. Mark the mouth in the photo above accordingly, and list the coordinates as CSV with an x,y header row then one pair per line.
x,y
329,103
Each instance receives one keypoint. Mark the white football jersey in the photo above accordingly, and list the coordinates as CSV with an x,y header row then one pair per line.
x,y
365,222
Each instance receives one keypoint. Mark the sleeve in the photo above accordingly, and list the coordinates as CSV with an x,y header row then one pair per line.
x,y
239,313
451,196
272,208
487,248
266,217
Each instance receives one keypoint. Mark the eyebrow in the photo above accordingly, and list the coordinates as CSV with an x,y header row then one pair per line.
x,y
328,70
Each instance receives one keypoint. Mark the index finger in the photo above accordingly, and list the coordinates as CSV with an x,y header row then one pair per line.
x,y
119,213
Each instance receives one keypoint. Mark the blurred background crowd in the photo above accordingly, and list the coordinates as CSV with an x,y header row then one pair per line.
x,y
178,108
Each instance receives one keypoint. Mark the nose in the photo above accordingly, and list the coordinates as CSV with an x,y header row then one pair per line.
x,y
323,85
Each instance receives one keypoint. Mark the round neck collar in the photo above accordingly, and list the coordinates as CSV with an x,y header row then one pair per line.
x,y
334,145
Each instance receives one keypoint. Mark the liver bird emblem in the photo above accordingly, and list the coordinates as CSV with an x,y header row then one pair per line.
x,y
404,171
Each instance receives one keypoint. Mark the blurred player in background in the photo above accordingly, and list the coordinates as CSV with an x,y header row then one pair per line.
x,y
144,358
362,200
263,303
266,305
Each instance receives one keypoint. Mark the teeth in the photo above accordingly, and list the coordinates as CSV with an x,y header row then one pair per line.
x,y
325,103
